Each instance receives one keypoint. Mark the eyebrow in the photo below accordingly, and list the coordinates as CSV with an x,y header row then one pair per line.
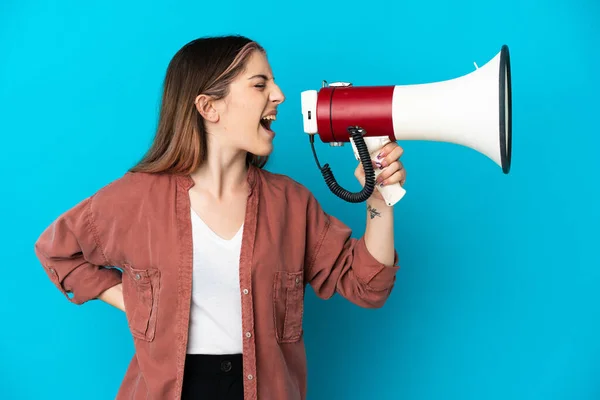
x,y
260,76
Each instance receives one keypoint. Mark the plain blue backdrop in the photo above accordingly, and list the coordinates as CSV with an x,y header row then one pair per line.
x,y
498,294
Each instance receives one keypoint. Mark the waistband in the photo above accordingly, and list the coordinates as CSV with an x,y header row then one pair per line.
x,y
220,364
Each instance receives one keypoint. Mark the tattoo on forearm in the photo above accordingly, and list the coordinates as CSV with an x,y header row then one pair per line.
x,y
373,212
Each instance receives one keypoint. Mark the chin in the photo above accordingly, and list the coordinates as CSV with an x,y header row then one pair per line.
x,y
263,145
263,150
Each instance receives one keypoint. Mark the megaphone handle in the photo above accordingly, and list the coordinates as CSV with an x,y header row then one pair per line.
x,y
390,193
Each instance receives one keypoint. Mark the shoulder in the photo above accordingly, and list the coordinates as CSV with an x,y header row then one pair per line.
x,y
131,189
283,185
282,191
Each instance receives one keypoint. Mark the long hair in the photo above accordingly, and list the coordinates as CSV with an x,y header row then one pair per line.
x,y
206,65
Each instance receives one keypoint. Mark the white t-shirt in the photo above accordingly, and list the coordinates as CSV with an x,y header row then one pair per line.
x,y
216,309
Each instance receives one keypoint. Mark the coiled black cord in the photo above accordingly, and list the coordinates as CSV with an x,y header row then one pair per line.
x,y
353,197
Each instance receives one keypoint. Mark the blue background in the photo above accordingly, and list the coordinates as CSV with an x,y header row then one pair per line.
x,y
497,297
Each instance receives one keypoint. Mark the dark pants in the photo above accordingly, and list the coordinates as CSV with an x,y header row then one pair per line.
x,y
213,377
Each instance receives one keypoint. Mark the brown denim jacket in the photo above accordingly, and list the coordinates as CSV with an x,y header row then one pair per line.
x,y
140,223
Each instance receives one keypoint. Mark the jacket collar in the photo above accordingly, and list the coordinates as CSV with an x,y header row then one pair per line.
x,y
186,182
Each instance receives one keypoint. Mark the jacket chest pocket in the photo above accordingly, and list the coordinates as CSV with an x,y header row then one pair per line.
x,y
288,305
140,295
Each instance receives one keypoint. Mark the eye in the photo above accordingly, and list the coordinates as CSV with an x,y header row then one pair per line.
x,y
260,85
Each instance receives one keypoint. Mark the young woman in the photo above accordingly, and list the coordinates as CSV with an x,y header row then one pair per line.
x,y
206,252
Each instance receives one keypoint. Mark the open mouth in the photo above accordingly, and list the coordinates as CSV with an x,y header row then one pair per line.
x,y
266,121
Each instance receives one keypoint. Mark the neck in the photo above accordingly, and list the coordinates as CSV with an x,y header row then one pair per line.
x,y
224,172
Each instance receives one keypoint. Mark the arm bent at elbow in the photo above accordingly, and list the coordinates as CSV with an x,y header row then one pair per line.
x,y
336,262
74,260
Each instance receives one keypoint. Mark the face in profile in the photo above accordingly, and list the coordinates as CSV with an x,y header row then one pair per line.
x,y
243,119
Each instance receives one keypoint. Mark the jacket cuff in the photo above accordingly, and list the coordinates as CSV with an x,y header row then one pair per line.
x,y
372,273
85,282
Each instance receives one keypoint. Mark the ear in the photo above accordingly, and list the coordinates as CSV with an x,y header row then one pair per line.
x,y
204,105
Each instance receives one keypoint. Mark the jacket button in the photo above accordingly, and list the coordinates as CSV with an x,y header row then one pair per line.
x,y
250,377
226,366
245,291
248,334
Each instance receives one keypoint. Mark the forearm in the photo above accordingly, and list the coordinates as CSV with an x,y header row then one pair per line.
x,y
114,296
379,233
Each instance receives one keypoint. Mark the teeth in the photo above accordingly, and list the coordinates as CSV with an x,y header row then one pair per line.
x,y
269,117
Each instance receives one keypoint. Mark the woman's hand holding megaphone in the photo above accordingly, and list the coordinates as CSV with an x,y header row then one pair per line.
x,y
390,169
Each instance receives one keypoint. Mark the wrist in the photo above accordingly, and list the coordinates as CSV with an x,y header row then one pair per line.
x,y
377,203
376,209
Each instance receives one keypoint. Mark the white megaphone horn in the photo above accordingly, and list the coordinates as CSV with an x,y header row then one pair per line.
x,y
474,110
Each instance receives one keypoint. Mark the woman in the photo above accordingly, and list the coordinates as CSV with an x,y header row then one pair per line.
x,y
206,252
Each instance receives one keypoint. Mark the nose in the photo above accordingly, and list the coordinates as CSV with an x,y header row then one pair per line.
x,y
277,95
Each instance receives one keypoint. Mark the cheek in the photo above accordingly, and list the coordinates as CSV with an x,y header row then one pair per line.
x,y
246,112
243,113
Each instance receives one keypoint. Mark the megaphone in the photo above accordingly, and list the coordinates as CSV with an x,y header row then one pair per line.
x,y
474,110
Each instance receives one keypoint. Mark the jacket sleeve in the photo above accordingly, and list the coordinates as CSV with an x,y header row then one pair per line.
x,y
336,262
72,257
